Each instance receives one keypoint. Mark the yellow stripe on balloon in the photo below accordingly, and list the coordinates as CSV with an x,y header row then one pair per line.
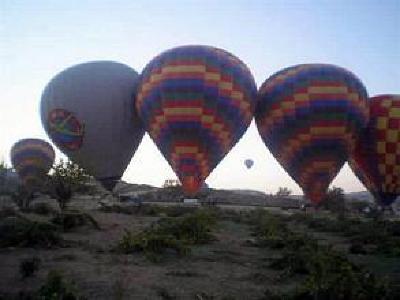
x,y
237,95
301,97
288,104
390,159
392,135
327,130
183,111
327,90
381,147
184,69
186,150
212,76
382,122
394,112
225,85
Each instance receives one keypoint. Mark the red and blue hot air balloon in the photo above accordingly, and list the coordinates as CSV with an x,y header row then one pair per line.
x,y
196,102
309,117
32,160
376,157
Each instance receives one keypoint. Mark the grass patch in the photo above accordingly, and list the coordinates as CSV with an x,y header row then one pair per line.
x,y
69,220
176,234
327,274
29,266
367,236
22,232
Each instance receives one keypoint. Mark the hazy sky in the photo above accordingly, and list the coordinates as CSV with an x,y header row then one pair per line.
x,y
40,38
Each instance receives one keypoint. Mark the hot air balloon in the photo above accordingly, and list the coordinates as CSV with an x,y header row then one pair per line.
x,y
88,112
376,157
196,102
32,160
309,117
249,163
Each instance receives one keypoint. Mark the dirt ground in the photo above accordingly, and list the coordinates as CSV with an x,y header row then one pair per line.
x,y
227,268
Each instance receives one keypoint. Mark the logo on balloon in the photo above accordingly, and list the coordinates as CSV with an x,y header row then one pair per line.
x,y
65,129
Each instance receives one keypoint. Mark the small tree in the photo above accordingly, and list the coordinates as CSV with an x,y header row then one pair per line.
x,y
3,172
66,179
283,192
334,201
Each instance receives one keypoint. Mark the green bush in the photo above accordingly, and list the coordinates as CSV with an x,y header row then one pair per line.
x,y
21,232
175,234
69,220
28,267
66,179
328,274
151,243
57,288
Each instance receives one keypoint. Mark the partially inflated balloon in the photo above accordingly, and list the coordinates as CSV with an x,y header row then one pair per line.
x,y
87,111
249,163
309,117
196,102
376,157
32,160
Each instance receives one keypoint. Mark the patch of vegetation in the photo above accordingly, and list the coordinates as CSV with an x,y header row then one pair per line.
x,y
163,293
22,232
57,288
66,179
69,220
328,274
29,266
42,208
381,236
176,234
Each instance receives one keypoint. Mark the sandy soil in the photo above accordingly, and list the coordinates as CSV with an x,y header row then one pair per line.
x,y
227,268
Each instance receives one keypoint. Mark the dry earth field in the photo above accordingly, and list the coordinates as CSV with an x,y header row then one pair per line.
x,y
228,267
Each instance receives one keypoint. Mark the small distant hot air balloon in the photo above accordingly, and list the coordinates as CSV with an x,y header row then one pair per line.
x,y
309,117
249,163
88,112
376,157
32,160
196,102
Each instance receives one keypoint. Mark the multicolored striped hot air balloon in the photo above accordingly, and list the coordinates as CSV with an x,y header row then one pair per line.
x,y
196,103
87,111
309,117
32,160
376,157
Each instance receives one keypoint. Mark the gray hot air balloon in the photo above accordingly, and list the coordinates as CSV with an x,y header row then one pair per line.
x,y
88,111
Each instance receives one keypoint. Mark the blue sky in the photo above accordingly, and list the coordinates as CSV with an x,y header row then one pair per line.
x,y
40,38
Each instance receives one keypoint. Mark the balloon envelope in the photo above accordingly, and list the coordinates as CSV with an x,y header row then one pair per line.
x,y
32,160
309,117
88,111
196,102
376,157
249,163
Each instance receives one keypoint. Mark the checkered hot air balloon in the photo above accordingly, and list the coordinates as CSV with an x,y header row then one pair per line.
x,y
309,117
32,160
376,157
196,103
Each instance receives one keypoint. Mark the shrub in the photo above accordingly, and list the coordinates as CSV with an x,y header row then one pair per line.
x,y
28,267
151,243
176,234
72,219
57,288
42,208
66,179
21,232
